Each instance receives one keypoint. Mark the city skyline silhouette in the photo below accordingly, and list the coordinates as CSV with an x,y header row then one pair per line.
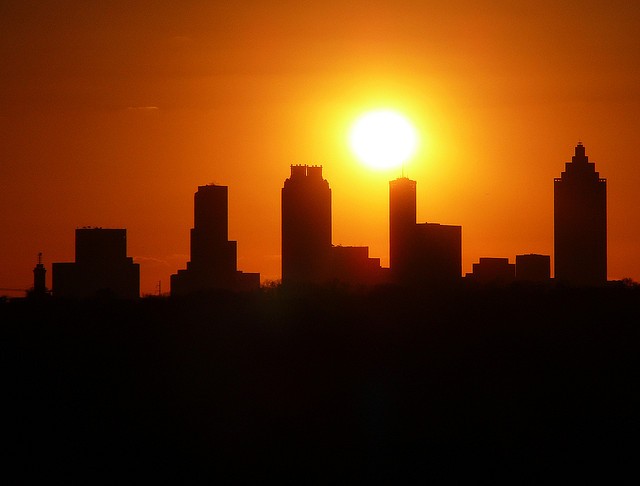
x,y
359,241
569,236
426,254
579,160
111,116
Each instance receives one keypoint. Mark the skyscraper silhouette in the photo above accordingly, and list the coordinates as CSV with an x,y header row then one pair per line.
x,y
306,226
580,223
402,222
308,256
427,253
213,264
101,265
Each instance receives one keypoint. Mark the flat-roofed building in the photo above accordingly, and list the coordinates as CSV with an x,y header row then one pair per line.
x,y
490,270
101,267
533,268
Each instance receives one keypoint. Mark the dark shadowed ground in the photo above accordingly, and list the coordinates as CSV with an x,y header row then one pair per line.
x,y
467,386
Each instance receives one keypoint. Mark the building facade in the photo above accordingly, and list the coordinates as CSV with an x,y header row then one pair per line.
x,y
580,223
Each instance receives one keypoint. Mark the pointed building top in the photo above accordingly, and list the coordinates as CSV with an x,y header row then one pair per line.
x,y
580,167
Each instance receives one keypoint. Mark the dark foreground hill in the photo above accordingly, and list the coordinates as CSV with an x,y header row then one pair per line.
x,y
472,386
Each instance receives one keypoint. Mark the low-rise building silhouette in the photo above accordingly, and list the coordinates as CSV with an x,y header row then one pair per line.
x,y
213,264
352,265
533,268
491,270
427,253
101,267
580,223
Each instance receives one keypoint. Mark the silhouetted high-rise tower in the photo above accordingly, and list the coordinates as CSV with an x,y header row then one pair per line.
x,y
213,264
306,226
402,224
211,251
580,223
427,253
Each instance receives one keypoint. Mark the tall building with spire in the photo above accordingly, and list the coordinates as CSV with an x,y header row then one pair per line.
x,y
39,279
580,223
213,264
423,254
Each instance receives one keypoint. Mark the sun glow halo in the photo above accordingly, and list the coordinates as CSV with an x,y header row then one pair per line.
x,y
383,139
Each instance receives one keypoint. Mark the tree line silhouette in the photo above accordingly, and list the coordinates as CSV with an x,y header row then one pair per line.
x,y
520,384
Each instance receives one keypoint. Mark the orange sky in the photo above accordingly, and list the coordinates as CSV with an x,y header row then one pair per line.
x,y
111,115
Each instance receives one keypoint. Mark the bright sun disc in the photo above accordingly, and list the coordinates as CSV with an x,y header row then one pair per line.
x,y
383,139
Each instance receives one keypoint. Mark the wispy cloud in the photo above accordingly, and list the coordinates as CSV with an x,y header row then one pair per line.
x,y
152,261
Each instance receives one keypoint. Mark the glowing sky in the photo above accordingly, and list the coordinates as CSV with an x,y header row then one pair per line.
x,y
112,113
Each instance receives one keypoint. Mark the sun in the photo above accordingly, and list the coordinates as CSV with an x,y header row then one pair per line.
x,y
383,139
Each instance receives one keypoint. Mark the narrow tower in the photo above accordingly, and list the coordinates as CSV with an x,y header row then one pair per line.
x,y
213,256
402,226
39,277
580,223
